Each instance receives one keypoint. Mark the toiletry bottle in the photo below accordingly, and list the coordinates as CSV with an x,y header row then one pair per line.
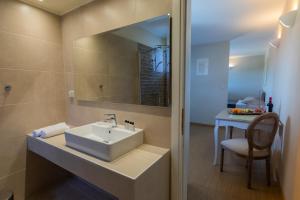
x,y
132,127
126,124
270,105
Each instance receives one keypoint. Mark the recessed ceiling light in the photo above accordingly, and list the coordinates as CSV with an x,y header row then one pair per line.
x,y
40,0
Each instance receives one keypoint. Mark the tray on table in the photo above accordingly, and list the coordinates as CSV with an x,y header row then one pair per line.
x,y
244,112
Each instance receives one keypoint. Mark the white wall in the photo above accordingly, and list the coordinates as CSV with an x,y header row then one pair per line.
x,y
209,93
284,86
246,78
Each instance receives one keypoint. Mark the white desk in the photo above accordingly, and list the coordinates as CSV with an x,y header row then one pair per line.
x,y
224,119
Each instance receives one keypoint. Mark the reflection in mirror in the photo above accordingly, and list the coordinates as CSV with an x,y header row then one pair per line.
x,y
129,65
247,72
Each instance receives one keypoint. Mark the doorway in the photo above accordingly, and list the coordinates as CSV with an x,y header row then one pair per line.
x,y
227,70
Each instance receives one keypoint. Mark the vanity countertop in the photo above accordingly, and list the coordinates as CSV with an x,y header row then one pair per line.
x,y
127,177
131,164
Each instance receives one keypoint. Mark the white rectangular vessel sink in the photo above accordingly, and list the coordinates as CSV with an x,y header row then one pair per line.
x,y
102,141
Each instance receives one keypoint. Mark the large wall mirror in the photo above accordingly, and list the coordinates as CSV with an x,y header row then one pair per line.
x,y
129,65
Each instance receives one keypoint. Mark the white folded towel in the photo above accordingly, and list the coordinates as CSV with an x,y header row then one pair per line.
x,y
50,131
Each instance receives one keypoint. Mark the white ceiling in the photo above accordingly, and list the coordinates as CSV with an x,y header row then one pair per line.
x,y
58,7
158,26
253,43
248,24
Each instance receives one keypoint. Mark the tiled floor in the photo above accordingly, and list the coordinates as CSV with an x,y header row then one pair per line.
x,y
207,183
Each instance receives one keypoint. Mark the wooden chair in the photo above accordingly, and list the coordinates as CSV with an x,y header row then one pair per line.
x,y
257,145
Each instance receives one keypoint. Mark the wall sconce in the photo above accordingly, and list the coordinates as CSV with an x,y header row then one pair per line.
x,y
288,20
231,65
275,43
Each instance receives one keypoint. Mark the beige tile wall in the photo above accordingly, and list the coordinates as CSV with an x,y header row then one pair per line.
x,y
101,16
31,62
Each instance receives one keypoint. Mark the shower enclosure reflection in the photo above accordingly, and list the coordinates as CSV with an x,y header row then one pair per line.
x,y
154,75
128,65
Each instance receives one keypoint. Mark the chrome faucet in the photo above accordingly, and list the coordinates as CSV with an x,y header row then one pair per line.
x,y
112,118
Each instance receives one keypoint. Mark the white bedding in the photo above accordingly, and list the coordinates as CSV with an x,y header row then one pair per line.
x,y
248,102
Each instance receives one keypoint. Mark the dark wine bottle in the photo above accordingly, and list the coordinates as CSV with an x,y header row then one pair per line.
x,y
270,105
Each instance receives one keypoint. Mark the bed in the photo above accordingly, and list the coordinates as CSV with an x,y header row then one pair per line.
x,y
248,102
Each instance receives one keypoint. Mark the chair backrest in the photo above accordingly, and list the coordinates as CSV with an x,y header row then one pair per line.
x,y
261,132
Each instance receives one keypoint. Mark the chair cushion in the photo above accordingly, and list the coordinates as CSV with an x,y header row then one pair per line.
x,y
240,146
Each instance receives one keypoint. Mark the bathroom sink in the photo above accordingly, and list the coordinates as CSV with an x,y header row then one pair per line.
x,y
102,141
